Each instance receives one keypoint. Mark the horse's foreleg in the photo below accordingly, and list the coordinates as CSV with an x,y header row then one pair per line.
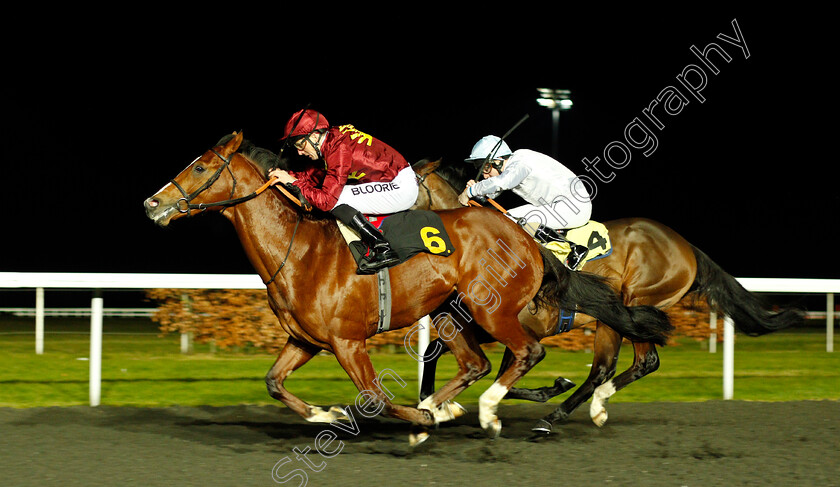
x,y
294,355
607,346
645,362
541,394
353,357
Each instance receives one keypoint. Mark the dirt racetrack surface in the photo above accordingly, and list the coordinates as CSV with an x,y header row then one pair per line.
x,y
717,443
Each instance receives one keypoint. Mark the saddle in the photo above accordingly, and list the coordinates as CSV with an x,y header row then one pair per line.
x,y
409,233
593,235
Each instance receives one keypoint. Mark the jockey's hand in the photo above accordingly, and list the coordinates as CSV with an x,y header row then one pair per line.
x,y
464,199
282,176
471,182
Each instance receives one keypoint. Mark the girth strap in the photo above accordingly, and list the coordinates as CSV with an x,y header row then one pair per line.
x,y
565,321
384,286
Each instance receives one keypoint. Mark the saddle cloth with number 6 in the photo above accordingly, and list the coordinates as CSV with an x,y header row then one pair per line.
x,y
593,235
409,233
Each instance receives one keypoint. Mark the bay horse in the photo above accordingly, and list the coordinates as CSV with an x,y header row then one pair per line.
x,y
323,304
650,264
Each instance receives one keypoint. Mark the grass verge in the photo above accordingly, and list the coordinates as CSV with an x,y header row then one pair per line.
x,y
147,370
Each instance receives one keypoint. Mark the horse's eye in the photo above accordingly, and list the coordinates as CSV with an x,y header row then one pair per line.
x,y
199,168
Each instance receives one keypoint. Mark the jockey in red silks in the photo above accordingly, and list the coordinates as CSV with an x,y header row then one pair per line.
x,y
359,175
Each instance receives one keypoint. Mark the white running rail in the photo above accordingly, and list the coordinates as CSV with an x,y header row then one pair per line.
x,y
117,281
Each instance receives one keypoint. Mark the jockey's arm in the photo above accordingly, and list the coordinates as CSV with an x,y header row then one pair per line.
x,y
513,174
325,195
282,176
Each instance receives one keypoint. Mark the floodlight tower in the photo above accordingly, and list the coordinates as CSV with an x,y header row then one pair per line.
x,y
556,101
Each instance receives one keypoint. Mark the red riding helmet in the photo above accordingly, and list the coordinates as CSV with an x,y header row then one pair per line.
x,y
304,122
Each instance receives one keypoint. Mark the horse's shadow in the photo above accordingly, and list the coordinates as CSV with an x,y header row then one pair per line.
x,y
250,428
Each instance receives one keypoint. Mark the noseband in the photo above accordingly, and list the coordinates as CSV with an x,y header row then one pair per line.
x,y
187,206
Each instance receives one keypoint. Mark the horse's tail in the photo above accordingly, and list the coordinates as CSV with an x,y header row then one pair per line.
x,y
590,294
726,295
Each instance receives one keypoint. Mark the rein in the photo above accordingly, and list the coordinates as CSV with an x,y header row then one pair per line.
x,y
489,200
187,198
188,206
288,251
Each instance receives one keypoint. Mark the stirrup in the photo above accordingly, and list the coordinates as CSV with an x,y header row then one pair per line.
x,y
577,254
379,258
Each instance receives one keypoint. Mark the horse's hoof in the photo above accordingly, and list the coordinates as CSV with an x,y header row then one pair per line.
x,y
447,411
418,436
600,418
542,426
563,384
318,415
339,413
455,409
494,428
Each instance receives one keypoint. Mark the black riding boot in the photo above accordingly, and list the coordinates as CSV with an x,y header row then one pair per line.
x,y
381,254
578,252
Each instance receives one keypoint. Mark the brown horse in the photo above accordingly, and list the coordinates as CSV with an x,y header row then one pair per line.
x,y
434,192
650,264
323,304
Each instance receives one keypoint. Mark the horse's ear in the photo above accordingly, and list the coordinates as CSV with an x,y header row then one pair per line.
x,y
233,144
425,167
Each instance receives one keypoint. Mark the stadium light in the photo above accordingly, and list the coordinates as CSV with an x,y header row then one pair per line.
x,y
556,101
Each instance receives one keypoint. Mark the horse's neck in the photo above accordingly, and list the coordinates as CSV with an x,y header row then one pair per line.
x,y
442,194
269,225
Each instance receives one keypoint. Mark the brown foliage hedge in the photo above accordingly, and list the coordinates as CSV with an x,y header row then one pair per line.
x,y
242,318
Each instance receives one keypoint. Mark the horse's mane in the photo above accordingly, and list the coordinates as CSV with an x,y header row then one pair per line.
x,y
455,175
266,160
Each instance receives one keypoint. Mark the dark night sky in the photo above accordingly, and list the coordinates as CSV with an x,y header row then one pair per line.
x,y
99,119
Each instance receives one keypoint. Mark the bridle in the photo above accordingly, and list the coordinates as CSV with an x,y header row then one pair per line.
x,y
186,198
188,206
421,181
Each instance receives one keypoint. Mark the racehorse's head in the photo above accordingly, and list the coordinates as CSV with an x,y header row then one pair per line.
x,y
203,181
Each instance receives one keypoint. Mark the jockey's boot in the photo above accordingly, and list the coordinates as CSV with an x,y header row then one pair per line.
x,y
576,255
381,254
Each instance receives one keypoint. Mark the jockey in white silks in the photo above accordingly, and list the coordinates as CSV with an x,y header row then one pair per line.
x,y
557,199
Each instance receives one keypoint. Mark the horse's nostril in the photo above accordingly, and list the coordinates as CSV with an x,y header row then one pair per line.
x,y
152,203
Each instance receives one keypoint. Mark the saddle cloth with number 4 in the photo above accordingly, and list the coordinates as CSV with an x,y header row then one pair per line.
x,y
593,235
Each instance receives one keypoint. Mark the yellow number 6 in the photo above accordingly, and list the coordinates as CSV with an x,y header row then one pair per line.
x,y
436,245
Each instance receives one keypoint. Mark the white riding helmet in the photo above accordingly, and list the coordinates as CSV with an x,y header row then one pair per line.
x,y
485,146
